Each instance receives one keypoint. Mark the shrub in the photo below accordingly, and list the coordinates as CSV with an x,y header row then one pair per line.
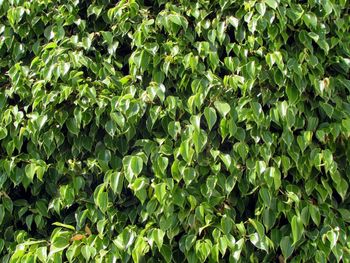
x,y
171,131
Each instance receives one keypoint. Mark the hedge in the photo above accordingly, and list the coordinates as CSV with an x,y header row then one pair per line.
x,y
174,131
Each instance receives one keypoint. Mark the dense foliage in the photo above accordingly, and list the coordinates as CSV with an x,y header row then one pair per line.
x,y
171,131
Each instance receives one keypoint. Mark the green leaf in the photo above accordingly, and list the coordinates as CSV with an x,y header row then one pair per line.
x,y
258,226
42,253
286,247
2,213
297,228
132,166
158,236
273,177
174,129
166,253
222,107
175,18
210,116
327,108
125,239
111,127
72,126
85,251
342,188
272,3
346,125
269,218
102,201
186,151
64,225
203,249
259,242
145,59
226,224
3,133
293,94
189,174
265,196
199,140
116,182
310,19
160,192
60,242
30,171
315,214
101,198
87,41
249,70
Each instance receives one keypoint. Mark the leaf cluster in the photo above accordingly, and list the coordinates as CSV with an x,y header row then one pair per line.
x,y
174,131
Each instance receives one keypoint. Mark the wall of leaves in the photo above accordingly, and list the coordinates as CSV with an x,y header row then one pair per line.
x,y
174,131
